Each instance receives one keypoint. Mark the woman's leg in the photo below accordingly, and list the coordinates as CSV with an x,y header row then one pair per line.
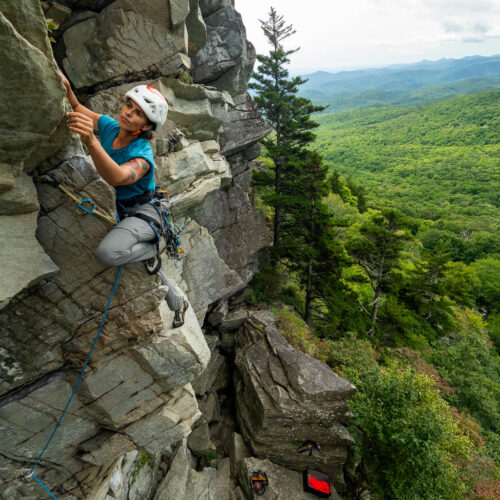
x,y
173,298
131,240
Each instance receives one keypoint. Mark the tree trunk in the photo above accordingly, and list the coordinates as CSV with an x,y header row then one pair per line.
x,y
307,315
378,294
277,210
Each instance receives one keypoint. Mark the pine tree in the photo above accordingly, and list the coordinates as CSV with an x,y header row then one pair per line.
x,y
287,114
309,247
378,250
425,293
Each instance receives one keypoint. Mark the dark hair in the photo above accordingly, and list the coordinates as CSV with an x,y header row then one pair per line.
x,y
146,134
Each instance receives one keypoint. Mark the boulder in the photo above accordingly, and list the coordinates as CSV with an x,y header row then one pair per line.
x,y
105,447
196,110
206,381
196,28
26,138
175,356
285,397
28,20
169,424
57,12
206,275
237,452
209,407
199,441
233,320
179,170
179,10
183,482
240,234
218,312
210,6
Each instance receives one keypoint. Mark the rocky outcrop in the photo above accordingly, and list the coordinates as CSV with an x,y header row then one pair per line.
x,y
154,415
27,76
112,45
136,392
227,59
284,398
183,481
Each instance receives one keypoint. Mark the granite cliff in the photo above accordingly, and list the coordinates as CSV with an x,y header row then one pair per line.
x,y
160,413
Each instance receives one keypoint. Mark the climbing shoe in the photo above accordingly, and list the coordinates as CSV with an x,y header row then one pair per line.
x,y
153,264
179,315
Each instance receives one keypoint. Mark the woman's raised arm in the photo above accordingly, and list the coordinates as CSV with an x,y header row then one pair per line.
x,y
80,108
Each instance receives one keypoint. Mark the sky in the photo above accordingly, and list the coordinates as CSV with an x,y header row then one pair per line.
x,y
348,34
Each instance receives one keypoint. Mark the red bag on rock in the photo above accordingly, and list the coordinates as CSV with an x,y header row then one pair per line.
x,y
317,483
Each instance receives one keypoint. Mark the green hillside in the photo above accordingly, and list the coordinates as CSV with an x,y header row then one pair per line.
x,y
404,84
416,97
438,163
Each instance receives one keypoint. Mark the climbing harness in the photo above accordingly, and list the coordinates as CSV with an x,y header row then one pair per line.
x,y
163,228
317,483
309,446
259,482
80,202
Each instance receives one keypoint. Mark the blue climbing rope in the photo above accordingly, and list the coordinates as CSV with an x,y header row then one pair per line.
x,y
76,387
43,486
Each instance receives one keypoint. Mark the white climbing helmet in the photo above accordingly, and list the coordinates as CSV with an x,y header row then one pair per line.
x,y
151,102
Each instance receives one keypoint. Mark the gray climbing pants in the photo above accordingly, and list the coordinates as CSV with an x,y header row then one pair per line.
x,y
132,240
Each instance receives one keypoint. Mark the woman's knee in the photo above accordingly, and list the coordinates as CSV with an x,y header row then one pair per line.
x,y
108,255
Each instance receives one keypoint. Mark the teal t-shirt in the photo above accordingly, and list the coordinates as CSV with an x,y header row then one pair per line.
x,y
140,148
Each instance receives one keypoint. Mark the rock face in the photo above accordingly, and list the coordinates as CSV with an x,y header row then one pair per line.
x,y
153,416
136,392
284,398
111,44
25,139
227,59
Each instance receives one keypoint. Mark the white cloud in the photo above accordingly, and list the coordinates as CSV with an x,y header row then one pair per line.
x,y
333,33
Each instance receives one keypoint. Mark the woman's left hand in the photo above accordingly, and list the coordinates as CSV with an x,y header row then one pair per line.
x,y
83,125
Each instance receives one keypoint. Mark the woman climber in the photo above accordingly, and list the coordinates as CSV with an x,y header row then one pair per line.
x,y
124,159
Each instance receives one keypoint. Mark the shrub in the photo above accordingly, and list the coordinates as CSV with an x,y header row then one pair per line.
x,y
408,439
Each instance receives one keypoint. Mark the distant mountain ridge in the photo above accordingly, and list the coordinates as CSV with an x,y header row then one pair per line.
x,y
403,84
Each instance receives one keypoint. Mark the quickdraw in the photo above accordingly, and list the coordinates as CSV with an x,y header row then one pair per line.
x,y
80,202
